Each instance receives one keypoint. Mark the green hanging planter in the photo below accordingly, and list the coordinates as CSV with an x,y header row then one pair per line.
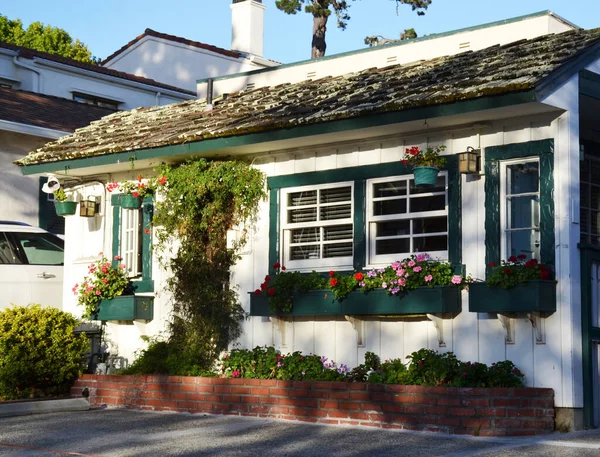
x,y
425,176
128,201
65,208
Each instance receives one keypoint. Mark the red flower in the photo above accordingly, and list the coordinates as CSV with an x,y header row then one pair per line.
x,y
271,291
146,231
263,286
140,177
507,271
283,268
413,151
544,274
267,278
135,194
404,161
333,282
359,276
162,180
492,264
521,257
257,292
276,265
531,263
331,273
512,259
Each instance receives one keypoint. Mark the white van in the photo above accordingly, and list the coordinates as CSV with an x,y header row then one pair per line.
x,y
31,266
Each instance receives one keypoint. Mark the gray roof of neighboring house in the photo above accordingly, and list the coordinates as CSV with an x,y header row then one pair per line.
x,y
512,68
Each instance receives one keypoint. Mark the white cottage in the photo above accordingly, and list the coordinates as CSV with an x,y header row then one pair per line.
x,y
530,108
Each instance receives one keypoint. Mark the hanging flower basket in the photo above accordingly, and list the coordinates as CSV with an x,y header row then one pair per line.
x,y
65,208
128,201
425,176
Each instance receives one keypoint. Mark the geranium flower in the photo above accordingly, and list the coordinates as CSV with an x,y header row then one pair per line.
x,y
333,282
412,263
276,265
457,279
359,276
271,291
162,180
428,278
417,269
512,259
257,292
331,273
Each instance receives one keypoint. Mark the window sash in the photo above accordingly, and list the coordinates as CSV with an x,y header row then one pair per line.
x,y
374,259
131,241
321,224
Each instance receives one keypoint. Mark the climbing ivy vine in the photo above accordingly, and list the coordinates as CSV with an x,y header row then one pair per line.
x,y
201,201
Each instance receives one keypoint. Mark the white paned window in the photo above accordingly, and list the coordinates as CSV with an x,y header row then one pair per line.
x,y
317,227
404,219
131,241
520,208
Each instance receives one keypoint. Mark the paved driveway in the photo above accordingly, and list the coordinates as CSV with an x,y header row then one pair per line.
x,y
120,433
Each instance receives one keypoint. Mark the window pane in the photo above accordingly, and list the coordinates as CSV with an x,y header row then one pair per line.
x,y
584,170
308,197
338,232
430,225
595,197
389,189
430,243
397,246
393,228
524,242
595,168
302,215
304,252
595,222
584,196
305,235
387,207
524,212
41,249
435,203
440,186
329,213
7,255
584,216
337,250
338,194
523,177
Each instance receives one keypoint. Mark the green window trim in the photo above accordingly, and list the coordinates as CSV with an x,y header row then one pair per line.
x,y
146,284
360,175
542,149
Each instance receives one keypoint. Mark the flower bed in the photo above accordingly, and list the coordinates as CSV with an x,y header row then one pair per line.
x,y
473,411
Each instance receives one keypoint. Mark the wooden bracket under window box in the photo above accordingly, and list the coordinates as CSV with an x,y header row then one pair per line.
x,y
424,300
531,296
126,308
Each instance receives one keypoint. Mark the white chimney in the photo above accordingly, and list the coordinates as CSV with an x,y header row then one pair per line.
x,y
247,26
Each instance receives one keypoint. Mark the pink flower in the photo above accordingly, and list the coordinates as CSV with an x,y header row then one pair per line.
x,y
74,289
105,281
412,263
122,266
421,257
395,265
428,278
400,272
456,279
118,257
235,374
384,285
417,269
98,292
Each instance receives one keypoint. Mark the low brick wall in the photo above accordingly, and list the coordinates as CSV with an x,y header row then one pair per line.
x,y
484,412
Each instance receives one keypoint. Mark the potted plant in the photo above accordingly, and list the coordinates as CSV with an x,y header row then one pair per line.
x,y
62,206
426,164
516,285
418,284
134,192
107,294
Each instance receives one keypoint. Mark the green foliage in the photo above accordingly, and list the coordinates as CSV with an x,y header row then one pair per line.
x,y
60,195
425,367
267,363
44,38
161,357
202,201
517,270
430,157
39,353
320,10
104,282
416,271
140,188
378,40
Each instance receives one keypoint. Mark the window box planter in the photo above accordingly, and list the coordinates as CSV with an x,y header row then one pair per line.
x,y
65,208
126,308
128,201
531,296
441,299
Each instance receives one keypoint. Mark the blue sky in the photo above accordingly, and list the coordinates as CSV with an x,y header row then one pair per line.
x,y
107,25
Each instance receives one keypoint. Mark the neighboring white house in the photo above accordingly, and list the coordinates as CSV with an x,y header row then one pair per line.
x,y
530,107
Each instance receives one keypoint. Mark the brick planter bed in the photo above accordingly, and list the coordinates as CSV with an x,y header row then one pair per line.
x,y
472,411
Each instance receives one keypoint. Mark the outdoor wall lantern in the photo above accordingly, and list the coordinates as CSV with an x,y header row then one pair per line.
x,y
88,208
469,162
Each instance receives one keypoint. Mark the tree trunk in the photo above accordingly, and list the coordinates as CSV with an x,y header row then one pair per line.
x,y
318,41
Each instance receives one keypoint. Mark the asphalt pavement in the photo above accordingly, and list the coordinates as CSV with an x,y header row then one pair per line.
x,y
126,433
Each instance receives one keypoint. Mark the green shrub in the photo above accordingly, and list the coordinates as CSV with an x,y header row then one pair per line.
x,y
505,374
431,368
39,353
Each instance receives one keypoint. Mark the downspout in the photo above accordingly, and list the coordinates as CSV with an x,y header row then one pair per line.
x,y
30,68
157,100
209,94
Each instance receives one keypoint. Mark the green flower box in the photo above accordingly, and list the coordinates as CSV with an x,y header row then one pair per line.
x,y
440,299
126,308
128,201
538,296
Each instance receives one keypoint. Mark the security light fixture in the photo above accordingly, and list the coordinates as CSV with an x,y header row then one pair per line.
x,y
469,162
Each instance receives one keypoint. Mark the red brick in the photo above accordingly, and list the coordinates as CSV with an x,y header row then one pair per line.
x,y
335,413
291,401
222,389
462,411
436,410
416,389
475,423
492,432
507,423
361,416
279,392
349,405
260,391
506,402
413,409
322,385
391,408
298,392
318,394
357,386
250,399
213,398
251,382
520,412
285,384
193,387
228,381
372,406
259,409
448,401
307,419
300,412
376,388
472,391
444,420
492,412
341,395
328,404
426,399
359,396
162,403
532,392
404,398
382,397
436,390
475,402
231,398
499,391
395,388
539,424
240,390
178,396
302,384
268,382
544,413
279,410
329,421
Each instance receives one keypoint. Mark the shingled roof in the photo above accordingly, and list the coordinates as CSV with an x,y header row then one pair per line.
x,y
515,67
47,111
